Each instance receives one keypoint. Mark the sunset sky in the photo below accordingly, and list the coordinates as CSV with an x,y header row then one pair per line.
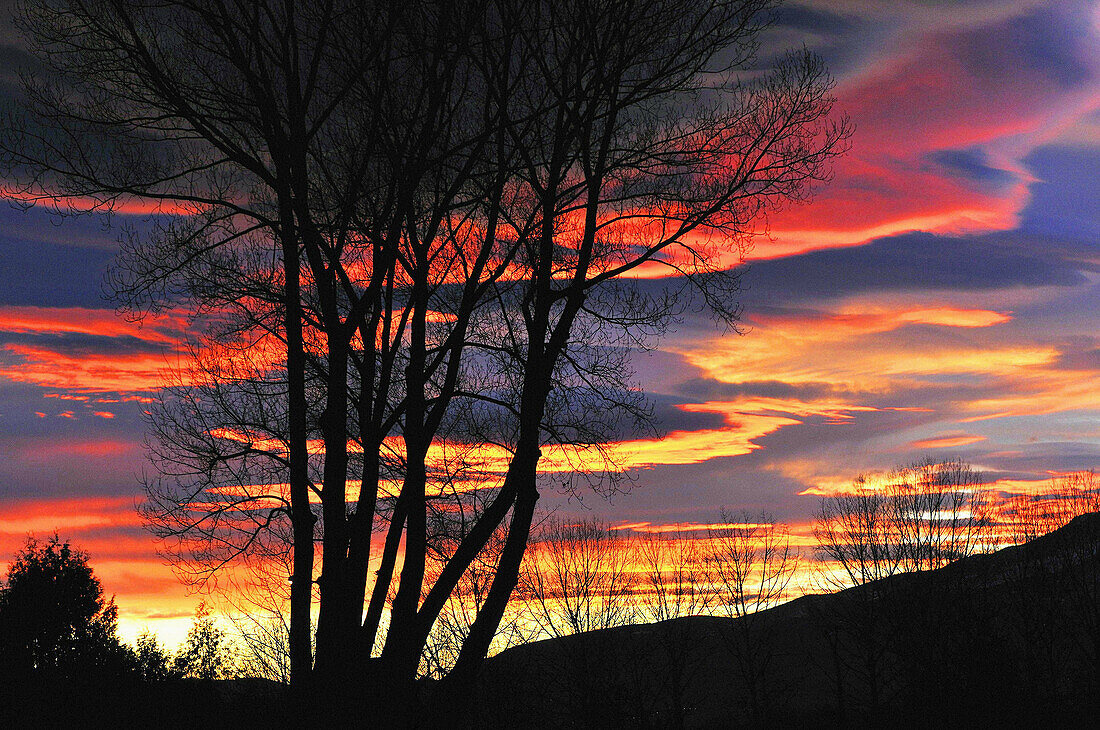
x,y
941,297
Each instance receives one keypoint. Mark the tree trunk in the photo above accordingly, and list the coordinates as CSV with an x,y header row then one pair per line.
x,y
301,588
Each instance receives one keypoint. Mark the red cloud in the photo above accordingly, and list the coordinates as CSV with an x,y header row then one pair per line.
x,y
80,320
88,372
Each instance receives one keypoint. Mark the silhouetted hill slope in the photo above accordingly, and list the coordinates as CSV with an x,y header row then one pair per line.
x,y
1007,639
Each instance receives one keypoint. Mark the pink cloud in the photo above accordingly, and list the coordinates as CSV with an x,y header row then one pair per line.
x,y
944,88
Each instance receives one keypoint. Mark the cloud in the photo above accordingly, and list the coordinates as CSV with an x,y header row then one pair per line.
x,y
947,110
50,275
69,517
973,165
85,369
85,350
854,352
32,320
922,262
947,441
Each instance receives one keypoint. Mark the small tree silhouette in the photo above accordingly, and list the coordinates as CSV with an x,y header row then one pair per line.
x,y
207,653
752,564
154,663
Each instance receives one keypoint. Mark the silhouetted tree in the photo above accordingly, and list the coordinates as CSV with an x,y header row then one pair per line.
x,y
752,563
1079,558
576,579
453,625
1053,575
263,640
675,582
942,515
206,652
418,215
854,537
54,620
920,518
939,512
154,663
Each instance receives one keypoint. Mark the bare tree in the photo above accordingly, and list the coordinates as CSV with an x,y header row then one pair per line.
x,y
453,625
391,201
260,617
855,538
1033,603
940,512
677,583
1053,579
1079,495
921,518
943,515
752,564
577,579
263,645
618,177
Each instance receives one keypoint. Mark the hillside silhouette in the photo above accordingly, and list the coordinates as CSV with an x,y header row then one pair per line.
x,y
984,641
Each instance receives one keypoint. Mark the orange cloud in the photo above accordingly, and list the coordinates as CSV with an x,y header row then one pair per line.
x,y
1035,391
65,516
102,322
89,372
946,442
859,319
954,317
1031,487
840,348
